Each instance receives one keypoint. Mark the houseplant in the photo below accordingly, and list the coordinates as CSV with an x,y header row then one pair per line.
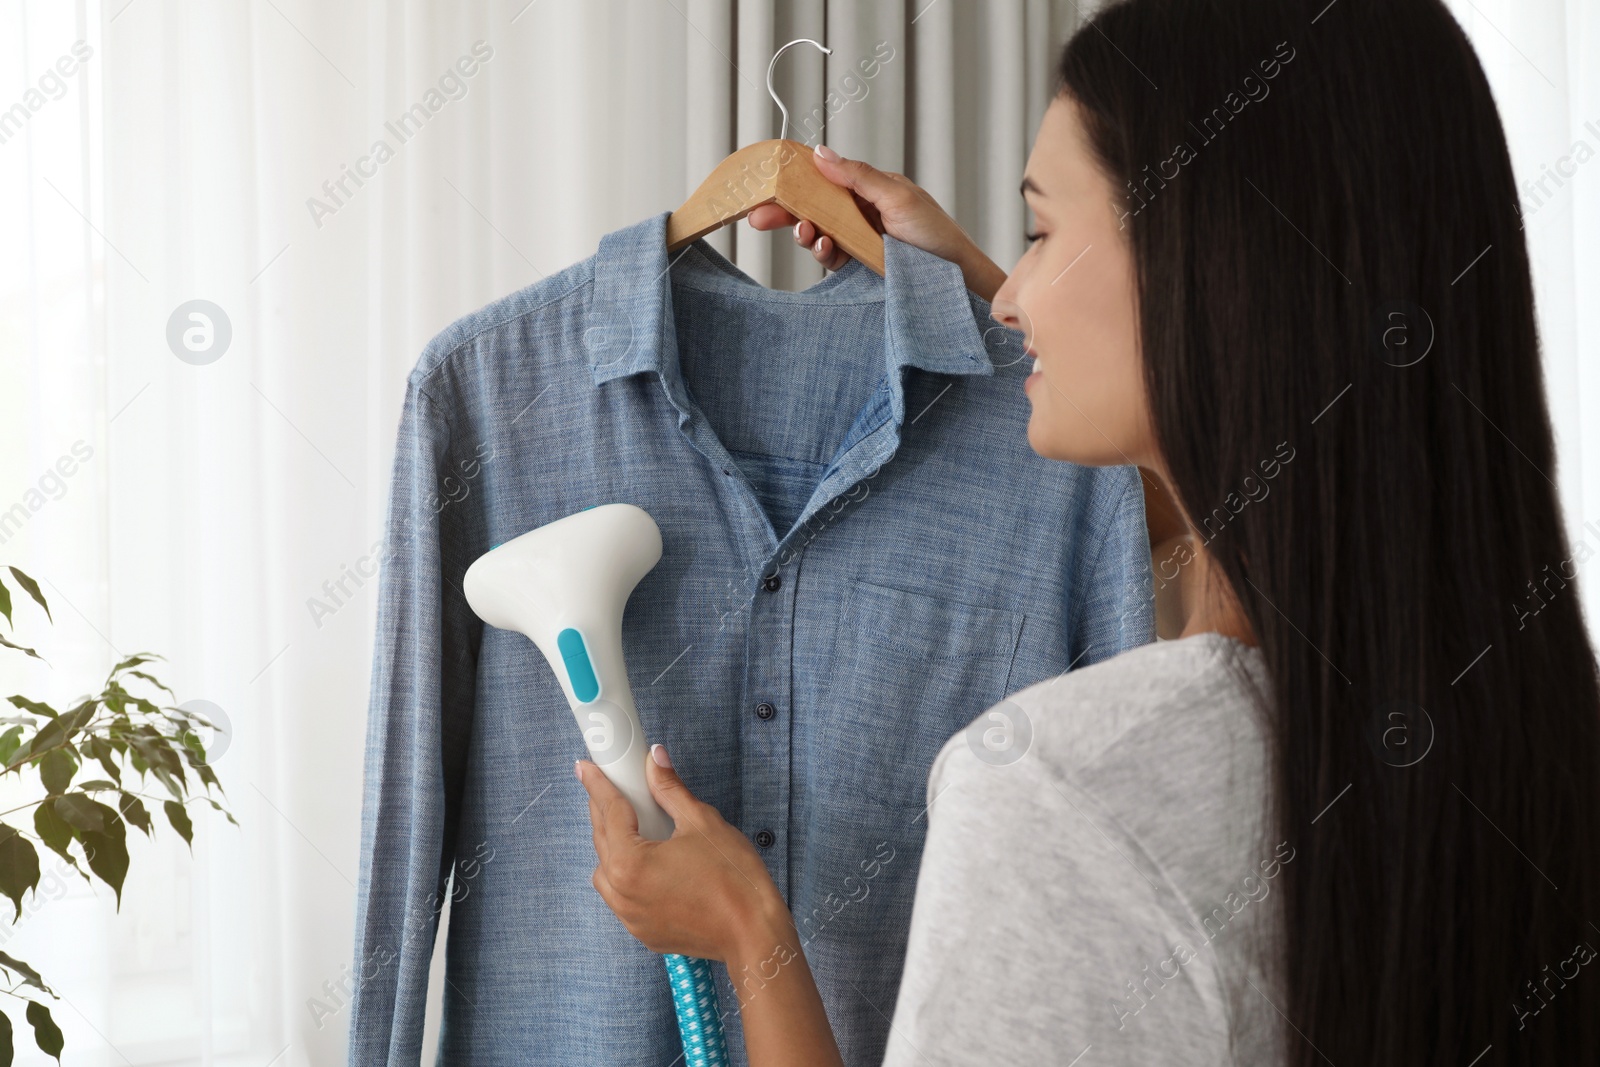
x,y
84,819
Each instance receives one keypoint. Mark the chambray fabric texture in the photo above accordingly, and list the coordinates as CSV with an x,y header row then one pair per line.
x,y
861,553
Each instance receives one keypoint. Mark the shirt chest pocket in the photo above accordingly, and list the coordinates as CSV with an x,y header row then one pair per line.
x,y
908,670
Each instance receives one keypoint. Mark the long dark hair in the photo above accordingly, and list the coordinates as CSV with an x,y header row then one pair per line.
x,y
1330,265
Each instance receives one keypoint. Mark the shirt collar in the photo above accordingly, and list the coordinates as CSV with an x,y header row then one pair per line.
x,y
928,316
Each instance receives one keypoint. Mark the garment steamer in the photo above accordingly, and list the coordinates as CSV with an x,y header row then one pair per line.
x,y
564,586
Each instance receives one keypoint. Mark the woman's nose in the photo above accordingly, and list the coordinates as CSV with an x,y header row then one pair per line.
x,y
1008,314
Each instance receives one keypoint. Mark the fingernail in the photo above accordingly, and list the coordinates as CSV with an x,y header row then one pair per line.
x,y
829,154
818,246
577,769
797,229
659,754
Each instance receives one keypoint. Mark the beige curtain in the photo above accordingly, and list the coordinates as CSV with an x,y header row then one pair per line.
x,y
947,93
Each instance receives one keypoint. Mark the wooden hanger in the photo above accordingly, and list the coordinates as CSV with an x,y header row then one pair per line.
x,y
779,171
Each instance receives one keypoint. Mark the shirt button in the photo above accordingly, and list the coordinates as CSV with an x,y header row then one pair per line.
x,y
765,710
764,838
771,582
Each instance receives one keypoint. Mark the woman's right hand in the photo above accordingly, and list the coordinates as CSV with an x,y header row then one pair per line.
x,y
895,205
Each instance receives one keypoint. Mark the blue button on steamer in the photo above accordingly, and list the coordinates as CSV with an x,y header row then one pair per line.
x,y
580,672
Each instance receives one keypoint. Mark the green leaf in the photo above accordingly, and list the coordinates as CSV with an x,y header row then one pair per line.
x,y
19,865
133,811
5,605
157,751
166,779
51,734
56,770
153,681
108,854
222,809
31,587
53,830
78,717
48,734
162,760
8,744
34,706
96,784
46,1034
180,821
134,660
11,644
193,747
7,1051
81,812
195,716
99,748
29,975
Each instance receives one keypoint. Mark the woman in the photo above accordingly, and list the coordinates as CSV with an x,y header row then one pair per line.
x,y
1278,266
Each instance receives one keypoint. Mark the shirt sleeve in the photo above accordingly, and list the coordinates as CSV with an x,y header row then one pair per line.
x,y
1041,934
1116,598
419,718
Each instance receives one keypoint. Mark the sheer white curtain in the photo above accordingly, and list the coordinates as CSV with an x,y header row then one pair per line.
x,y
223,508
229,498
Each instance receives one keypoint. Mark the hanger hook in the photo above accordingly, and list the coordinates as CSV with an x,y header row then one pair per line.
x,y
783,131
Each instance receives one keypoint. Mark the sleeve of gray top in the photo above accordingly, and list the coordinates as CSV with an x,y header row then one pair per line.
x,y
1040,933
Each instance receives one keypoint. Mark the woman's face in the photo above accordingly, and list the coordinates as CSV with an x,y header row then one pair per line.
x,y
1072,296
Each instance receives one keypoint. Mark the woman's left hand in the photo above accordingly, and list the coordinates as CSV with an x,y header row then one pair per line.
x,y
703,892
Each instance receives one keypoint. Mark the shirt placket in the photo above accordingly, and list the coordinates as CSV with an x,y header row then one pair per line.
x,y
764,727
768,608
769,572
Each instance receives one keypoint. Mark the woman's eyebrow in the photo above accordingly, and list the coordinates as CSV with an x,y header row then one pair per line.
x,y
1029,185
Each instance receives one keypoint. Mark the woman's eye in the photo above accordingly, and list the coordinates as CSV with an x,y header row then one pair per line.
x,y
1031,237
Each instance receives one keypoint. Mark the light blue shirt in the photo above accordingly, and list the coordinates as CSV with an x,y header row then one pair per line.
x,y
861,553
